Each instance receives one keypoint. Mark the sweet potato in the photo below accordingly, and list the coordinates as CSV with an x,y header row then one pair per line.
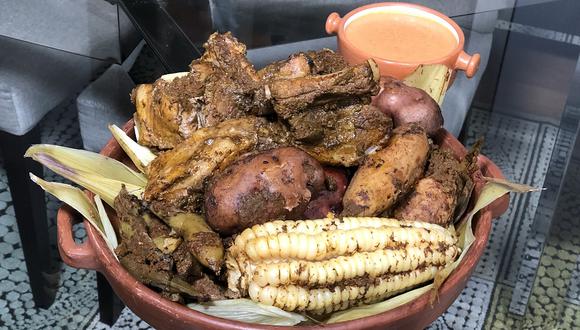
x,y
276,184
407,104
388,173
436,197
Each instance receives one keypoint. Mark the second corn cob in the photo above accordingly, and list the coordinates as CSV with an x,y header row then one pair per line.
x,y
331,264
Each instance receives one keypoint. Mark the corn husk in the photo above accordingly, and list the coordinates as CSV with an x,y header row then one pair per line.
x,y
140,155
86,161
433,79
512,186
101,175
108,230
245,310
136,129
253,311
79,201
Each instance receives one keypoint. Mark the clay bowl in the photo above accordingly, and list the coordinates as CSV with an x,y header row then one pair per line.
x,y
456,59
164,314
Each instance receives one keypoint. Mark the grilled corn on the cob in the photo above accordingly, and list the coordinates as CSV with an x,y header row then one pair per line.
x,y
327,265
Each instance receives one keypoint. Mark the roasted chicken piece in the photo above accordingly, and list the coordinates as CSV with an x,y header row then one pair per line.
x,y
221,85
325,61
296,66
293,96
303,64
340,135
235,89
167,110
177,177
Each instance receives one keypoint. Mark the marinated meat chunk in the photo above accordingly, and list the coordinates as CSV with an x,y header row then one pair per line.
x,y
292,96
139,254
297,65
340,136
303,64
167,111
221,85
235,89
325,61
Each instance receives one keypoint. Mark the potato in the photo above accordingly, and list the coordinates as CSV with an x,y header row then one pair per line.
x,y
330,199
388,173
276,184
407,104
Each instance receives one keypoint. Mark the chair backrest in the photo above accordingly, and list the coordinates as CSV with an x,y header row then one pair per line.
x,y
85,27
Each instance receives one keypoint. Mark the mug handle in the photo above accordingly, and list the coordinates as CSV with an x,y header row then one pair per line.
x,y
332,23
466,62
73,254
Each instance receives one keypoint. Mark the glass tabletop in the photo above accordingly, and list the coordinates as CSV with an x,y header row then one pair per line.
x,y
524,100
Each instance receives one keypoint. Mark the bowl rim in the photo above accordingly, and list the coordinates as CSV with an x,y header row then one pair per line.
x,y
113,269
456,51
118,277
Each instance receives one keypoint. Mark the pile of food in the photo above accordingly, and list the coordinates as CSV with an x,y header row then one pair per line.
x,y
294,185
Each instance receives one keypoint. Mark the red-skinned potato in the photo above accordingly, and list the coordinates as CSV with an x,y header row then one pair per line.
x,y
275,184
330,199
407,104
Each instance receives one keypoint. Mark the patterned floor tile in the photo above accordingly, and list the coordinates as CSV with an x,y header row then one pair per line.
x,y
554,299
573,294
469,310
521,148
527,204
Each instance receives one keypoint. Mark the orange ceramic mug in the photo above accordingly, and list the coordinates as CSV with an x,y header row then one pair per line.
x,y
356,49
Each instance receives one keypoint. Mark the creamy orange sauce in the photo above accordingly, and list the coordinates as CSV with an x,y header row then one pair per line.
x,y
400,37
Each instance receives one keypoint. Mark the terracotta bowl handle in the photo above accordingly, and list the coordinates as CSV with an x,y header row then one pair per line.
x,y
465,62
73,254
501,205
332,23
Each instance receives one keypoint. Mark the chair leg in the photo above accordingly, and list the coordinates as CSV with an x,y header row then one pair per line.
x,y
110,306
30,210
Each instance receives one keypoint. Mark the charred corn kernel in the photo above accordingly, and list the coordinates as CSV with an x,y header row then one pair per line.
x,y
326,300
332,264
369,264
